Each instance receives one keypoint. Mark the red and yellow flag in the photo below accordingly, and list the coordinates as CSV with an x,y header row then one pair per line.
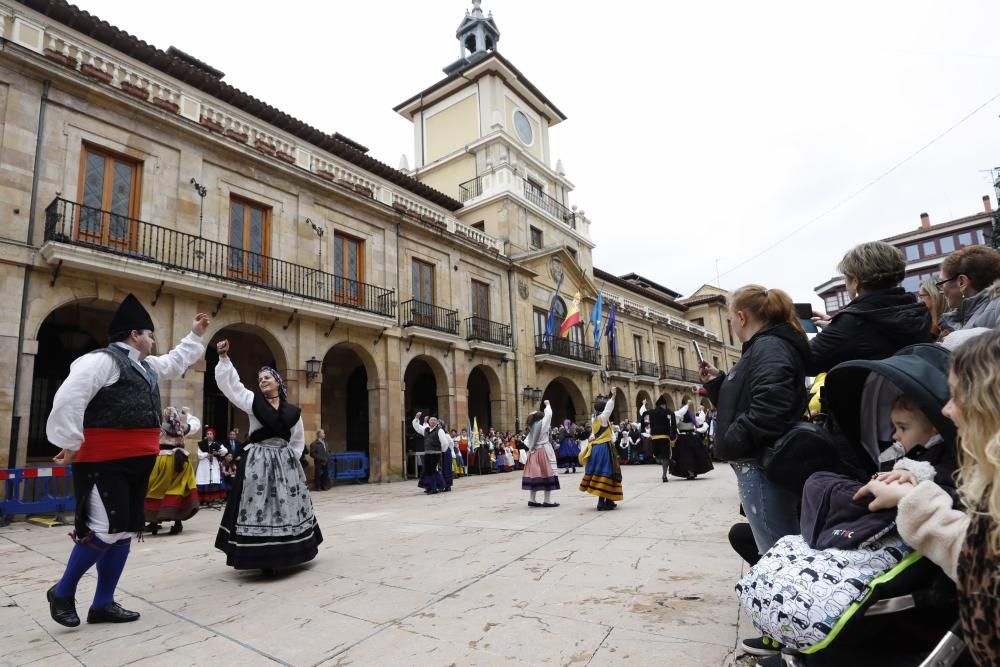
x,y
572,317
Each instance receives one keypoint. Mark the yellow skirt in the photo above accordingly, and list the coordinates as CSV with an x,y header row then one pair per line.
x,y
171,496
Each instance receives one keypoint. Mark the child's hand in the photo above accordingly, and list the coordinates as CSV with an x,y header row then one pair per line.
x,y
899,476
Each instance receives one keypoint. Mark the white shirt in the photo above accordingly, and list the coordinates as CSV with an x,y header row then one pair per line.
x,y
543,437
443,437
242,398
96,370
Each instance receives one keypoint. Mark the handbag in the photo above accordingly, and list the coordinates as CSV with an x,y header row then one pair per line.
x,y
806,448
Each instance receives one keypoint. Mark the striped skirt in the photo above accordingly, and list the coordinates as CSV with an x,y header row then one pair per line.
x,y
538,474
602,476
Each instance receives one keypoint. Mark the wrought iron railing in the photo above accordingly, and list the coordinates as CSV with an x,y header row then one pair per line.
x,y
470,189
78,225
647,368
672,373
551,206
563,347
427,315
621,364
481,329
692,376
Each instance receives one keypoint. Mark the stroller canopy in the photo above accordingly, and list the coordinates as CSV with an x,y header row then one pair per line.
x,y
860,395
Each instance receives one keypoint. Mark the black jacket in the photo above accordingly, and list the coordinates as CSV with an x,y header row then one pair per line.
x,y
763,395
875,325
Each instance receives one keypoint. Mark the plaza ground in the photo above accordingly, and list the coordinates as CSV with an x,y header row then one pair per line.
x,y
471,577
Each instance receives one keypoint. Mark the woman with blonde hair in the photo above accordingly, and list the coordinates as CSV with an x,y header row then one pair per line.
x,y
936,303
964,543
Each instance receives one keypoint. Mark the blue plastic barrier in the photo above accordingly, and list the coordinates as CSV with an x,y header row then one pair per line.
x,y
350,465
47,490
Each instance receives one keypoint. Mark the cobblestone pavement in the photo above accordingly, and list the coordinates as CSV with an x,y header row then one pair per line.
x,y
472,577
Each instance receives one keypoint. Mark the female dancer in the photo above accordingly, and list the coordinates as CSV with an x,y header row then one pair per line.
x,y
268,522
172,494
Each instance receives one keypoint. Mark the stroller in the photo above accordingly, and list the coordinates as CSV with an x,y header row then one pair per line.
x,y
899,616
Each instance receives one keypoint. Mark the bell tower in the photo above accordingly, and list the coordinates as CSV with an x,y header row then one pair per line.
x,y
477,37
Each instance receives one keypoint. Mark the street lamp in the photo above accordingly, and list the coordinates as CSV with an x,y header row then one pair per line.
x,y
536,394
313,368
527,393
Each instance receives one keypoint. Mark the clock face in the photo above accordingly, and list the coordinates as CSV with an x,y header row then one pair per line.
x,y
523,127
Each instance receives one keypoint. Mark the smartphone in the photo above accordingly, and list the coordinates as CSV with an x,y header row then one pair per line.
x,y
804,312
697,352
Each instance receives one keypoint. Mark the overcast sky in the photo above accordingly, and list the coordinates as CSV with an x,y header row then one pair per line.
x,y
697,131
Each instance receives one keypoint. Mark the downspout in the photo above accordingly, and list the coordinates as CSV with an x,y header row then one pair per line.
x,y
513,341
401,370
15,420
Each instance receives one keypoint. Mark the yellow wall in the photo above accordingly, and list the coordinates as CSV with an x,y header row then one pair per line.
x,y
536,147
450,175
452,128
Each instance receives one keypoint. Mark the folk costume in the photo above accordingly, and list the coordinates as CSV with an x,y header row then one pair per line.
x,y
569,448
538,473
690,456
209,477
435,441
269,520
172,494
663,433
603,476
447,458
108,412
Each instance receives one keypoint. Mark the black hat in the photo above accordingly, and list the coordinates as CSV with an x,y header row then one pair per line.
x,y
130,315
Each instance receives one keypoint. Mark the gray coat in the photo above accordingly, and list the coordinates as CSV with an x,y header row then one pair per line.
x,y
979,310
319,452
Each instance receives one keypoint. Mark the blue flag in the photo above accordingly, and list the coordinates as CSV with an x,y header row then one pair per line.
x,y
550,325
609,331
595,318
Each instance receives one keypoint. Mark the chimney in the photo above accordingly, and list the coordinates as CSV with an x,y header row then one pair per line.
x,y
987,206
925,221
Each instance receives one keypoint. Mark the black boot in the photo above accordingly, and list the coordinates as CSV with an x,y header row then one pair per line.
x,y
62,610
176,528
152,528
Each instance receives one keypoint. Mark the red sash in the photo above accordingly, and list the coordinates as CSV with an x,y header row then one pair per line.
x,y
108,444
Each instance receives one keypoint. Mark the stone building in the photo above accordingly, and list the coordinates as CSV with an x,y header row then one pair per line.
x,y
375,291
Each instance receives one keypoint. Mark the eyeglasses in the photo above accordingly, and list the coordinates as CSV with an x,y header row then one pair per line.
x,y
940,283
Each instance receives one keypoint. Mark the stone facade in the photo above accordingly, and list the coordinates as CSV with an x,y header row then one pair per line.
x,y
299,250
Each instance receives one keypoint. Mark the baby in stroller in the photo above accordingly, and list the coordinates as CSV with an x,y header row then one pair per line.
x,y
872,599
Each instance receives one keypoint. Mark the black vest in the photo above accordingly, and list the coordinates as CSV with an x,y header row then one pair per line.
x,y
662,422
132,402
274,423
432,444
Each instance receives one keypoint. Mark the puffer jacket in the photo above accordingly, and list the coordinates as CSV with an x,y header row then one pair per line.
x,y
763,395
875,325
980,310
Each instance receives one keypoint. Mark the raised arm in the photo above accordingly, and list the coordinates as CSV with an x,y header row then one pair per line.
x,y
547,418
417,426
229,384
608,409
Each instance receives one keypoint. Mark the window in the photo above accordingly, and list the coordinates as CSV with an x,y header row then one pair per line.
x,y
661,355
700,321
109,193
964,239
422,282
480,302
729,326
541,318
912,253
980,237
929,248
249,236
715,362
481,225
348,268
637,342
536,237
680,358
523,127
911,283
947,244
831,304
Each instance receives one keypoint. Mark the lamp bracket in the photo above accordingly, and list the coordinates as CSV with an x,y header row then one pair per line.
x,y
290,318
409,342
159,291
446,352
332,325
55,273
218,306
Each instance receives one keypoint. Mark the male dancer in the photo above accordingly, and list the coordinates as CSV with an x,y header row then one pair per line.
x,y
663,429
106,418
435,441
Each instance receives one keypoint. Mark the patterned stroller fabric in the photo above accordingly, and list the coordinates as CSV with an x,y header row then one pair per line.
x,y
796,594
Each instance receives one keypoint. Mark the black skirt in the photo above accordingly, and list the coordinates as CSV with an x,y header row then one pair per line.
x,y
690,456
245,552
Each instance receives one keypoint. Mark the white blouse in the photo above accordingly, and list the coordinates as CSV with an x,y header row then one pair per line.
x,y
242,398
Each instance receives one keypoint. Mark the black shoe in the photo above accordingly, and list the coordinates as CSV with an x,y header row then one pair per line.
x,y
112,613
152,528
532,503
176,528
611,505
62,610
603,508
550,504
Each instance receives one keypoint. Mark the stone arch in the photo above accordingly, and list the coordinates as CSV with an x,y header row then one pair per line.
x,y
348,408
36,320
252,347
485,396
67,331
671,404
568,402
418,394
622,409
642,395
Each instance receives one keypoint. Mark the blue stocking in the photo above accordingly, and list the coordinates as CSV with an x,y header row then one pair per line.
x,y
85,553
109,571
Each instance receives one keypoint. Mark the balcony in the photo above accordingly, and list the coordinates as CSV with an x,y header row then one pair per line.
x,y
678,374
647,369
479,329
620,366
548,204
470,189
116,235
428,316
564,352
